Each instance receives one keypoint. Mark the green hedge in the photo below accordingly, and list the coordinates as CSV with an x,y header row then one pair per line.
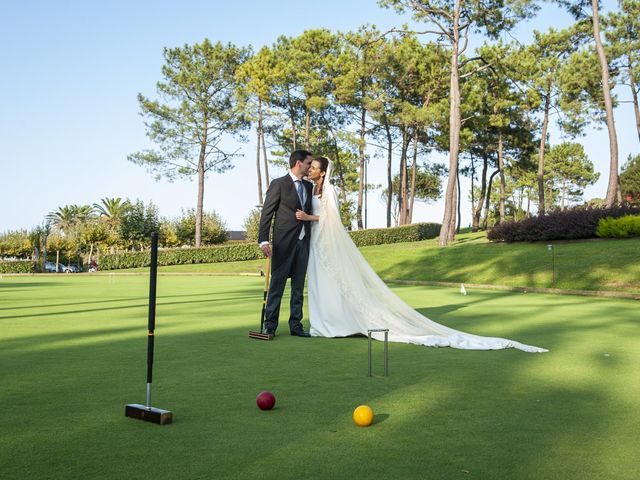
x,y
251,251
622,227
183,256
406,233
16,266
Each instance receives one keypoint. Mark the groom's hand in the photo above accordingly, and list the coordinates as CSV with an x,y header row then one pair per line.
x,y
266,249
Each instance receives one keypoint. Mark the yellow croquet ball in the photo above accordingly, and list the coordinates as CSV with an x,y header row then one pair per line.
x,y
363,416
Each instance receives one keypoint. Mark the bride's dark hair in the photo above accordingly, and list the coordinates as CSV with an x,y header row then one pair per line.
x,y
324,164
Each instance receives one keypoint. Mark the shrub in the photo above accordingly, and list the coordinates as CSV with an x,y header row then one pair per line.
x,y
567,224
182,256
137,223
405,233
251,251
252,225
623,227
167,234
214,230
630,180
17,266
15,243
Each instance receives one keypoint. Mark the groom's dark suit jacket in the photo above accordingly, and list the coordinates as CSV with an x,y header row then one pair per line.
x,y
282,201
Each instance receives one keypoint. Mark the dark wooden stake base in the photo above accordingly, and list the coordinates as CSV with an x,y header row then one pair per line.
x,y
148,414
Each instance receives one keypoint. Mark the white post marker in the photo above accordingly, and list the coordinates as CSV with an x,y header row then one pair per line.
x,y
463,291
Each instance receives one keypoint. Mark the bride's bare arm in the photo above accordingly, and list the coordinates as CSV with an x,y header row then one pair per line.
x,y
301,215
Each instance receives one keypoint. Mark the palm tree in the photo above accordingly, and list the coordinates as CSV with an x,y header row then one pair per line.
x,y
67,217
62,219
82,213
111,208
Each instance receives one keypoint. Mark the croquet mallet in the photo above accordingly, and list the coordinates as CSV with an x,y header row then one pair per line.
x,y
261,335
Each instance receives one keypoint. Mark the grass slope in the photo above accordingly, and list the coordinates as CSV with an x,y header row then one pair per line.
x,y
73,354
612,265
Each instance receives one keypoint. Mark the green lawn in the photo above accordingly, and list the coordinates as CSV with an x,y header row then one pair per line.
x,y
73,354
610,265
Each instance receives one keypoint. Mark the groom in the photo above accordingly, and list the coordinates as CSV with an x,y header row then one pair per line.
x,y
290,240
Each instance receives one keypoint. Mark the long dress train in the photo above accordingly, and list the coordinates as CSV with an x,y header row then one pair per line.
x,y
346,296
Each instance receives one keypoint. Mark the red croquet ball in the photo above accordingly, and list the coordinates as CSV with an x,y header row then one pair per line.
x,y
265,400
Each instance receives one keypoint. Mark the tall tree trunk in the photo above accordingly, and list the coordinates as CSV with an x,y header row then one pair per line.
x,y
473,174
264,158
414,172
520,200
258,138
292,118
487,207
634,94
475,226
389,171
44,252
363,117
447,232
503,186
458,201
404,190
543,143
307,127
452,217
339,170
199,205
366,190
613,188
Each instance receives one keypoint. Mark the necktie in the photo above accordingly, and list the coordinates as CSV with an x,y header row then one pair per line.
x,y
300,192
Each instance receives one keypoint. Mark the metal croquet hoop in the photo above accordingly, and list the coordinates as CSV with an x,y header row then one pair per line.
x,y
386,349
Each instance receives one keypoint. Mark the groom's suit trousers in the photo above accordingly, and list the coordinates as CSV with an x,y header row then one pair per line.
x,y
295,266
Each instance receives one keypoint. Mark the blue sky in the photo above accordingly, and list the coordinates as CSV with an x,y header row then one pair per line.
x,y
69,114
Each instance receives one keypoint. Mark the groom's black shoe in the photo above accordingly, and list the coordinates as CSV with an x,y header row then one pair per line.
x,y
270,331
300,333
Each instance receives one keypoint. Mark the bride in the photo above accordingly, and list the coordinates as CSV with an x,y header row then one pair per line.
x,y
346,297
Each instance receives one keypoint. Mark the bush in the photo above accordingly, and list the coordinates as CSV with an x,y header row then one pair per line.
x,y
251,251
568,224
252,225
214,230
405,233
167,237
137,223
623,227
15,243
183,256
17,266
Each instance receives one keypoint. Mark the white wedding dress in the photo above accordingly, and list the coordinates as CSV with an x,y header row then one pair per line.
x,y
346,297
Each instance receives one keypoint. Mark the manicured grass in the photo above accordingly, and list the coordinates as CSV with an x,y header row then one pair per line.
x,y
612,265
73,354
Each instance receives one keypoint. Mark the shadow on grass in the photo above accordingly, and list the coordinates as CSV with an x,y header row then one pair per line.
x,y
500,414
249,292
10,282
161,300
577,265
